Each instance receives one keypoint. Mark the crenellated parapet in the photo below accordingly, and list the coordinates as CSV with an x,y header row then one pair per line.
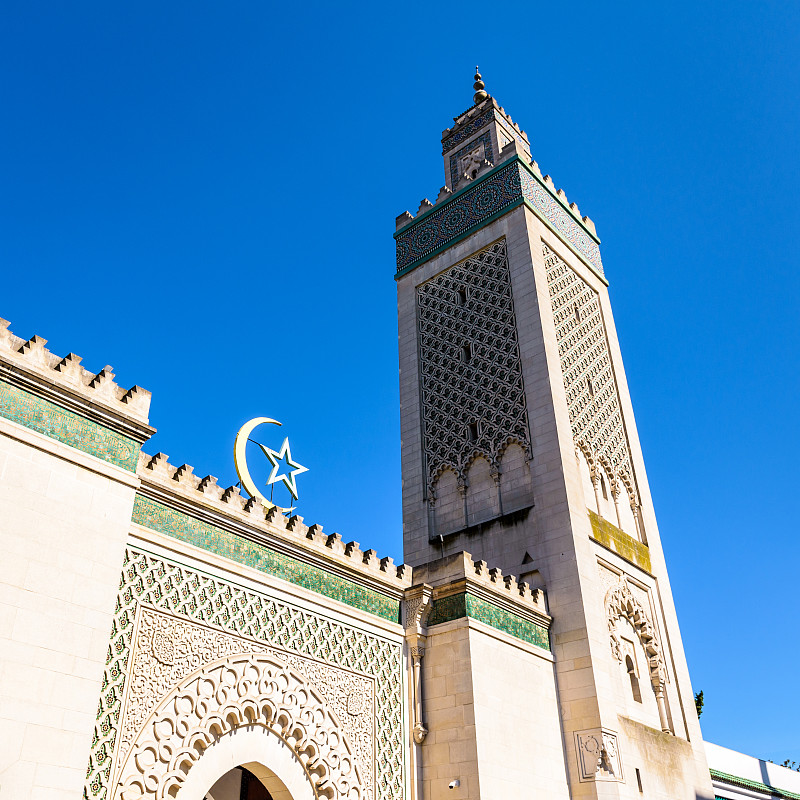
x,y
225,508
30,366
466,588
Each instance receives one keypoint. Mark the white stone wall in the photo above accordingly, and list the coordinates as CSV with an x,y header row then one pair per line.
x,y
520,749
64,516
492,716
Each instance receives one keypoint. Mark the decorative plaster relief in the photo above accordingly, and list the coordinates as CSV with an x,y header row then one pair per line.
x,y
167,649
298,636
471,157
231,692
598,755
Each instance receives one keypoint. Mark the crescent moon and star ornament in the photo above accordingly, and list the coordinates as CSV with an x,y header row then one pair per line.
x,y
279,473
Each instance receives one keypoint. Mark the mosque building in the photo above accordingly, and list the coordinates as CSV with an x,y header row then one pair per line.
x,y
164,637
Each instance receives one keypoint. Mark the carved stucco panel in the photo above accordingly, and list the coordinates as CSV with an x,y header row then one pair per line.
x,y
167,649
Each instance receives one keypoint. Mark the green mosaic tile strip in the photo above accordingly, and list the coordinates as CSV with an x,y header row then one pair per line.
x,y
746,783
159,517
447,609
619,541
65,426
458,606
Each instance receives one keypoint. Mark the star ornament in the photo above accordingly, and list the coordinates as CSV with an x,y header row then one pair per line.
x,y
276,459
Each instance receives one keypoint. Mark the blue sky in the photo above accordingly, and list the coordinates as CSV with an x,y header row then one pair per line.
x,y
203,195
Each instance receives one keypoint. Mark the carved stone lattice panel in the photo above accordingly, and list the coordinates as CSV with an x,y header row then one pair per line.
x,y
167,649
296,633
473,400
592,392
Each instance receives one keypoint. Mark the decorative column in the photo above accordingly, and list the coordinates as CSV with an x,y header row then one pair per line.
x,y
415,611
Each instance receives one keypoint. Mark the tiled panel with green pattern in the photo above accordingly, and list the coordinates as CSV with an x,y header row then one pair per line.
x,y
65,426
161,518
619,541
458,606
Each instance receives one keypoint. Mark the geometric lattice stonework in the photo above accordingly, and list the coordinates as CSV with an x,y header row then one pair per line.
x,y
592,393
473,400
297,635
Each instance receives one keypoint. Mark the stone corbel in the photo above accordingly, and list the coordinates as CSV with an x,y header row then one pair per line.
x,y
416,606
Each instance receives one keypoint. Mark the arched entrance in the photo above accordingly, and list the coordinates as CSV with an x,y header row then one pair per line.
x,y
253,747
250,710
238,784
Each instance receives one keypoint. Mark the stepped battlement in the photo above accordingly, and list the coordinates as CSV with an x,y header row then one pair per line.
x,y
225,506
460,572
513,148
30,365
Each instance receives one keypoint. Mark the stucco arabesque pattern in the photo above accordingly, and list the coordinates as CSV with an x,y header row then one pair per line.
x,y
167,649
592,392
621,603
470,305
240,690
174,588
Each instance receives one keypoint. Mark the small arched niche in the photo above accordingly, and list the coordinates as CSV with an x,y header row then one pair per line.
x,y
482,500
516,489
626,519
448,511
586,480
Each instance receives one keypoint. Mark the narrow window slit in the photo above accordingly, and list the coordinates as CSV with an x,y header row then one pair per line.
x,y
637,694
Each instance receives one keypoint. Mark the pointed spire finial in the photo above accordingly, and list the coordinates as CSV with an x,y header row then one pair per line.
x,y
480,88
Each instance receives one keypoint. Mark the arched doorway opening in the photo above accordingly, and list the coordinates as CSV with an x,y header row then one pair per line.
x,y
233,768
239,783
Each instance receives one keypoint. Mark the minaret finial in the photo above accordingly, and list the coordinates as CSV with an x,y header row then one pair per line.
x,y
480,88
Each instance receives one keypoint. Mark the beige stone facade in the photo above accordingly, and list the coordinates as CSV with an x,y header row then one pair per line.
x,y
588,534
162,636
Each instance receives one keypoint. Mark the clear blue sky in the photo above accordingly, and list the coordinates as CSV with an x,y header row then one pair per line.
x,y
203,195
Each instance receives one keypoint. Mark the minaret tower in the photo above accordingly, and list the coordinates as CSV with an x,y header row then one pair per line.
x,y
519,446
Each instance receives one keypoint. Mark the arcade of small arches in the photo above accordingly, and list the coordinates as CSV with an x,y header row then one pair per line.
x,y
486,488
611,492
242,717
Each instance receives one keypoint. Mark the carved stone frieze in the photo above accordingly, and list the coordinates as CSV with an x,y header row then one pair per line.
x,y
166,649
240,690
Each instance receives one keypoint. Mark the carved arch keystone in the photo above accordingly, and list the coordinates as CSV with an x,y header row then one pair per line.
x,y
236,691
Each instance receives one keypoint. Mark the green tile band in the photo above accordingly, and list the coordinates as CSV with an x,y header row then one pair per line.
x,y
224,543
746,783
65,426
619,541
458,606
